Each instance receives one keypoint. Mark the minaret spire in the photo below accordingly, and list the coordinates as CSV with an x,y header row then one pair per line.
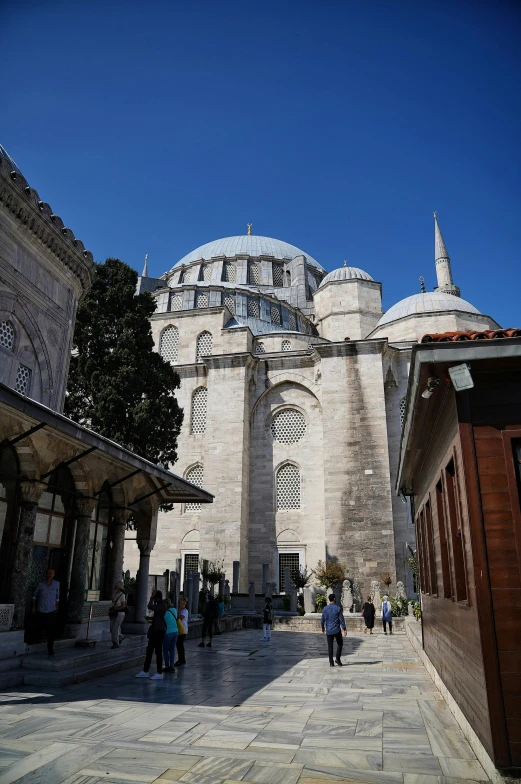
x,y
144,274
442,262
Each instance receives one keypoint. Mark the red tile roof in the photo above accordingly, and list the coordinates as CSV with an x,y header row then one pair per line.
x,y
456,337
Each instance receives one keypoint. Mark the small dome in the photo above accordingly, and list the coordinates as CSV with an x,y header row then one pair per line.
x,y
346,273
246,244
427,302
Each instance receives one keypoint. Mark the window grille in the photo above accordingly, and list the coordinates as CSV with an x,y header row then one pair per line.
x,y
253,308
254,275
206,272
402,409
204,345
176,302
229,301
278,275
23,380
275,314
292,321
288,426
195,476
199,405
260,348
169,346
289,561
229,272
288,487
202,299
187,276
286,345
6,334
191,563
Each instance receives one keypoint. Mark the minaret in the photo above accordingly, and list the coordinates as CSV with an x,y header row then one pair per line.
x,y
442,261
144,274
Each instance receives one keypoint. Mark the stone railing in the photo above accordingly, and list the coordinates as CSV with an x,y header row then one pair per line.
x,y
6,617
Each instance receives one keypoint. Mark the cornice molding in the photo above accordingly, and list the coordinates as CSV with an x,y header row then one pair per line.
x,y
37,217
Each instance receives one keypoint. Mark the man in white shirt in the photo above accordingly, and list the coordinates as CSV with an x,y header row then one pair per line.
x,y
117,614
46,600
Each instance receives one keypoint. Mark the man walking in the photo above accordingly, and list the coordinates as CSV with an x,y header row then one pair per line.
x,y
332,620
209,617
46,599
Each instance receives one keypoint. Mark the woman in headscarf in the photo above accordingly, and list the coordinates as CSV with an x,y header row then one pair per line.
x,y
387,615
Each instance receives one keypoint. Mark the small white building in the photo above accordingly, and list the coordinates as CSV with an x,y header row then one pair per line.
x,y
293,385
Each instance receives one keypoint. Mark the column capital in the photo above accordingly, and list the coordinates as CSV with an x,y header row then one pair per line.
x,y
85,506
145,546
31,492
121,516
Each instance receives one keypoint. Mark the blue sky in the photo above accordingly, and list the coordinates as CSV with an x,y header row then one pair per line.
x,y
338,126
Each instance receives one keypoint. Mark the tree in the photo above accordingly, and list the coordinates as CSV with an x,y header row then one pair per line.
x,y
301,577
118,385
330,573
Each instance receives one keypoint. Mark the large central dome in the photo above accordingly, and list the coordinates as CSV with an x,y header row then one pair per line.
x,y
251,245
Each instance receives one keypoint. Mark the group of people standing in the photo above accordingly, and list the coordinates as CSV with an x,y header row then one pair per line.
x,y
166,635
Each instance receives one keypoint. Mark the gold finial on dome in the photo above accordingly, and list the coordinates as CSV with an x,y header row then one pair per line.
x,y
422,284
250,227
345,263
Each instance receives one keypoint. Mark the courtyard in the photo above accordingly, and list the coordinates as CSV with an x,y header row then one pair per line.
x,y
248,711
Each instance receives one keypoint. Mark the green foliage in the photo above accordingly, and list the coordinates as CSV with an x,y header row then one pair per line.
x,y
129,585
286,602
213,571
330,573
301,577
398,606
118,385
320,602
417,610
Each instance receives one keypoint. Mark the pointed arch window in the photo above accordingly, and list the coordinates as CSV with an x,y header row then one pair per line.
x,y
288,487
228,275
254,273
169,345
260,348
204,345
6,335
275,314
199,408
195,475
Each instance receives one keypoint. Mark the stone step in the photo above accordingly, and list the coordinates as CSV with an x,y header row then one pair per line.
x,y
80,674
10,664
10,679
76,658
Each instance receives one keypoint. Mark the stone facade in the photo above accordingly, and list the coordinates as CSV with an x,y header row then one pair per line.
x,y
313,352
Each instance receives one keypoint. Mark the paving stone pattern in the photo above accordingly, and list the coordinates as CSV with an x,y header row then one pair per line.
x,y
270,713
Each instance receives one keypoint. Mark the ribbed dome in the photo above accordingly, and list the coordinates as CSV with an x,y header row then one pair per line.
x,y
251,245
346,273
428,302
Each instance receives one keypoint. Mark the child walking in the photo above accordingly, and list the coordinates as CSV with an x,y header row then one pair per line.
x,y
267,618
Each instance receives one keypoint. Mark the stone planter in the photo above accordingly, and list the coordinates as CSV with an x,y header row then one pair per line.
x,y
6,617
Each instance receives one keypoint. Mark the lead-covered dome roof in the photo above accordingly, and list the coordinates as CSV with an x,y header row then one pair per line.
x,y
346,273
250,245
426,302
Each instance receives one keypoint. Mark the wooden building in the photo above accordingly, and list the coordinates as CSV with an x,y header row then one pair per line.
x,y
460,463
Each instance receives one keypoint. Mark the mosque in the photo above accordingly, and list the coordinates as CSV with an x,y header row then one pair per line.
x,y
293,384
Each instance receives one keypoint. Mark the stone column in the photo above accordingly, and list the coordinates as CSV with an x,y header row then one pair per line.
x,y
265,577
287,580
308,600
145,549
196,581
80,559
205,581
236,573
23,555
118,545
190,593
251,593
221,585
293,598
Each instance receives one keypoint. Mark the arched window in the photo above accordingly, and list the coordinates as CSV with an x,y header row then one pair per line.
x,y
229,301
199,406
402,409
260,348
288,426
205,272
286,345
253,308
204,345
229,272
6,335
292,321
176,301
278,274
169,345
288,487
22,383
202,299
254,273
195,476
275,314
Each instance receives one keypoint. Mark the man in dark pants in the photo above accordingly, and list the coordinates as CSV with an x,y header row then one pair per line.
x,y
46,599
332,620
209,618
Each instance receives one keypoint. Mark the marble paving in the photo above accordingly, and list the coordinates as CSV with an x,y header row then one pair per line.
x,y
244,711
